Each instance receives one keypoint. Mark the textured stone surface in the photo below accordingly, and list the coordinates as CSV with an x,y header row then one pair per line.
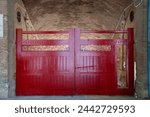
x,y
4,53
25,24
64,14
141,50
3,87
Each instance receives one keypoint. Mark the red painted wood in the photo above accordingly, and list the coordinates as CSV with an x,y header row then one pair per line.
x,y
94,69
130,60
72,72
45,73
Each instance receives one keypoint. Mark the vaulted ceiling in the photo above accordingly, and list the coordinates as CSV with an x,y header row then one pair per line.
x,y
62,14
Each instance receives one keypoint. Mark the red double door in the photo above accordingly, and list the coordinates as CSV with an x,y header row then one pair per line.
x,y
84,67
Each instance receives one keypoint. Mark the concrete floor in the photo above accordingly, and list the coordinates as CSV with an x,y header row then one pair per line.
x,y
73,98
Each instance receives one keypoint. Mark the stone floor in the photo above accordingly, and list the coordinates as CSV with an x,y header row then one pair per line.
x,y
72,98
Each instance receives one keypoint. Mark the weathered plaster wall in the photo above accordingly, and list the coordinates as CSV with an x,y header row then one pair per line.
x,y
85,14
25,24
4,52
141,50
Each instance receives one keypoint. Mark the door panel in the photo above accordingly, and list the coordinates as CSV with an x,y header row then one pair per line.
x,y
95,71
45,71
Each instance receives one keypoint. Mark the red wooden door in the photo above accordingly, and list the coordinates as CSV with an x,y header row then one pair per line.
x,y
83,67
44,72
95,66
